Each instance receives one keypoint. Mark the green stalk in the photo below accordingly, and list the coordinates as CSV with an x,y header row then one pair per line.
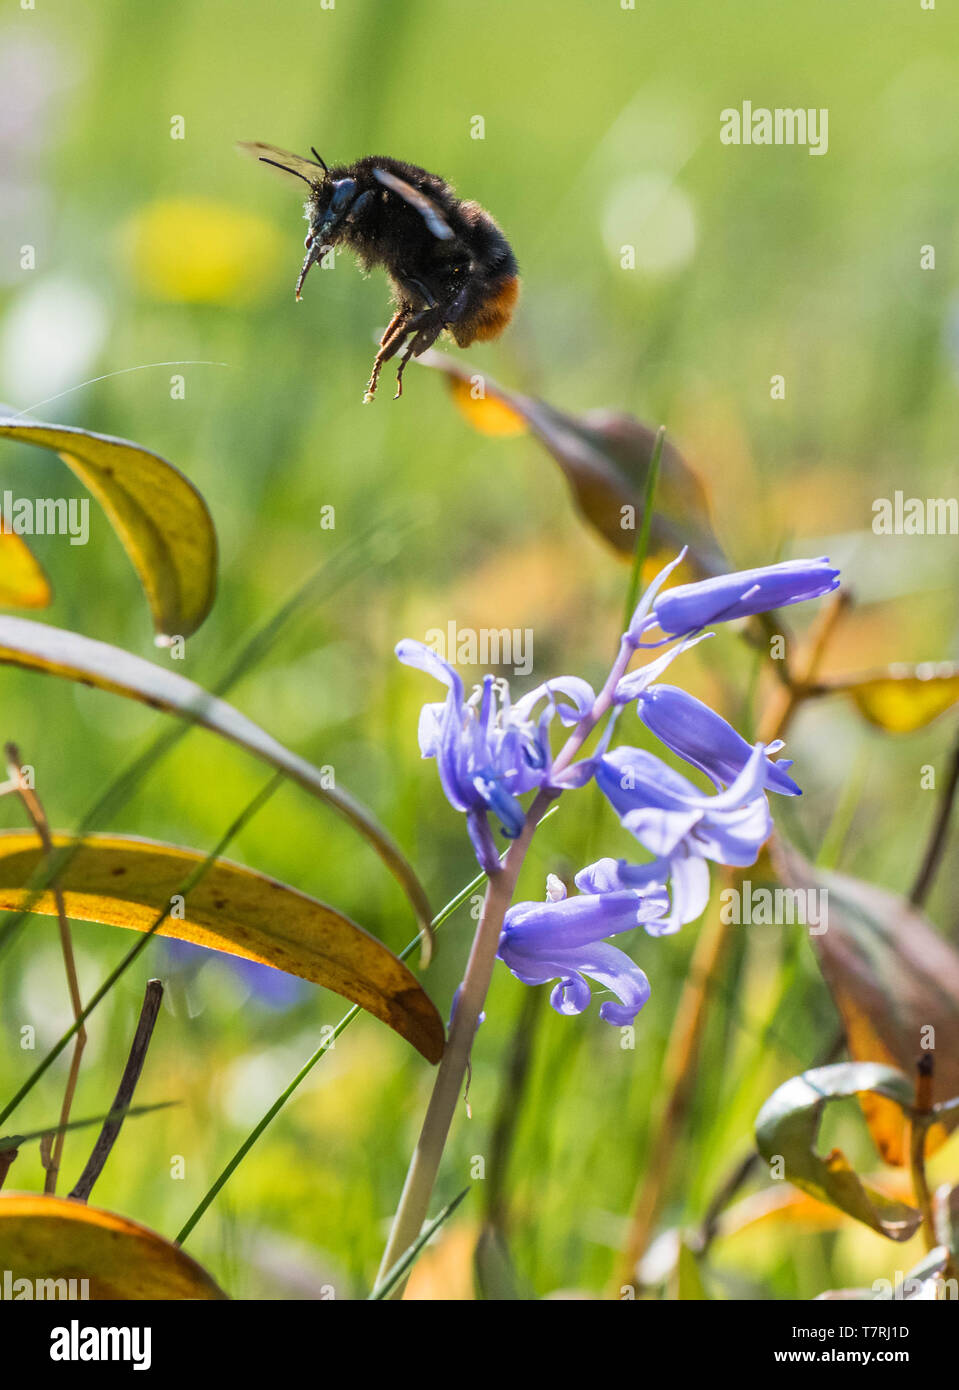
x,y
642,542
385,1286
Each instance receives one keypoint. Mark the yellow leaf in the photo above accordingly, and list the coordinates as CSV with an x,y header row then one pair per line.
x,y
159,516
903,698
789,1205
444,1271
52,1238
125,881
487,414
23,583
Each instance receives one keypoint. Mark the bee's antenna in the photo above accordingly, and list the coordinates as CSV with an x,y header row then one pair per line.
x,y
286,169
319,159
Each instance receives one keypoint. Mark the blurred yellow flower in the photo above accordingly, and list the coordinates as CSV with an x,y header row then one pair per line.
x,y
200,251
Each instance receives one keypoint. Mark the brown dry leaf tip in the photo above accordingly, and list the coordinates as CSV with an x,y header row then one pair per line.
x,y
604,456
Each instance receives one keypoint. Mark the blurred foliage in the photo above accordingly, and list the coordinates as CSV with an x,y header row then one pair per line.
x,y
601,130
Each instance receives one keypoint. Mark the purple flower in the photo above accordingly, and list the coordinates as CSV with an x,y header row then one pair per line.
x,y
681,826
704,738
488,750
686,872
689,607
562,939
664,810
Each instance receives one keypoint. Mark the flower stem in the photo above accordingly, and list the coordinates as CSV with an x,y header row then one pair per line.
x,y
424,1165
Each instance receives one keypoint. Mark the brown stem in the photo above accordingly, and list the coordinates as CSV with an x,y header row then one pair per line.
x,y
6,1159
786,700
51,1157
937,841
124,1095
922,1118
424,1165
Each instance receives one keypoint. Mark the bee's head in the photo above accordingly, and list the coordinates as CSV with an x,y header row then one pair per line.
x,y
329,204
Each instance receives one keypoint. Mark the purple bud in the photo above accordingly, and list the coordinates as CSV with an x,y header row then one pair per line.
x,y
689,607
705,739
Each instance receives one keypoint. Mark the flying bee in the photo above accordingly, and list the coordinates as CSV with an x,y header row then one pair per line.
x,y
449,265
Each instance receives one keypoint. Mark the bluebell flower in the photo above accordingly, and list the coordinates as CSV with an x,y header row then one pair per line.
x,y
562,939
704,738
684,826
684,870
689,607
488,750
663,809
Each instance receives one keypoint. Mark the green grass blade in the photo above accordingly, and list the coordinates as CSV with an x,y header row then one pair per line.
x,y
389,1282
642,541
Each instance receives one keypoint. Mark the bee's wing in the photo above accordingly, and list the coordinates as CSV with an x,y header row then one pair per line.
x,y
425,206
293,164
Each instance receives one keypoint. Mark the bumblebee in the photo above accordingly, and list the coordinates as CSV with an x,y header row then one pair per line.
x,y
450,266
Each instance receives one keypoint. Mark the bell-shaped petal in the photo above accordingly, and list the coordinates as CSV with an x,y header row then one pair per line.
x,y
489,752
689,607
562,939
685,873
670,816
579,693
424,658
703,738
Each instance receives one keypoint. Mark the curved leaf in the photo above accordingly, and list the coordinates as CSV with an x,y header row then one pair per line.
x,y
54,651
157,513
53,1238
787,1127
605,457
23,583
124,881
893,978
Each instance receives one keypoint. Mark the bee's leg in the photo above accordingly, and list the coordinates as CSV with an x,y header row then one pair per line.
x,y
392,340
428,324
423,339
